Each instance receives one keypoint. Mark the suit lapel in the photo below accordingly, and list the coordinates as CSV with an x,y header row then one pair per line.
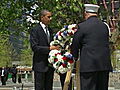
x,y
42,32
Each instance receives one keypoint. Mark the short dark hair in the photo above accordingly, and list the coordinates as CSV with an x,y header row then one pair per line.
x,y
43,13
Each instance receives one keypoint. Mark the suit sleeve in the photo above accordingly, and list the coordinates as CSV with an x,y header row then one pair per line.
x,y
35,45
76,44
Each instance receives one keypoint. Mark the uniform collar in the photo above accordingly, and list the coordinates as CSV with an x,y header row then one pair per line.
x,y
91,17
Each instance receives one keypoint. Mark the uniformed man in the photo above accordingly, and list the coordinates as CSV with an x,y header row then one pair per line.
x,y
92,41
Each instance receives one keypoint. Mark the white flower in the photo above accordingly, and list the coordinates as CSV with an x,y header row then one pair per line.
x,y
52,43
71,26
56,64
62,29
67,53
53,52
51,60
62,61
55,42
62,70
59,38
69,66
59,58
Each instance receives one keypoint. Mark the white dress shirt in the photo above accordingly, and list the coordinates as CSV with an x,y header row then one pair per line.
x,y
46,31
44,27
2,72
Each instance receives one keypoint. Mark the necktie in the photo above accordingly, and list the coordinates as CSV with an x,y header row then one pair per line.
x,y
47,34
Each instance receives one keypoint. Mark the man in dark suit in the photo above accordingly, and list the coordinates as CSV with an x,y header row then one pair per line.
x,y
13,71
40,37
4,75
91,43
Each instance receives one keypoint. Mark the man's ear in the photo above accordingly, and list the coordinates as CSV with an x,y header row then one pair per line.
x,y
85,12
41,17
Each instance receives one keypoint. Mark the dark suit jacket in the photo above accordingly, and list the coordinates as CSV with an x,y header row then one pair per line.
x,y
5,72
40,47
13,70
92,39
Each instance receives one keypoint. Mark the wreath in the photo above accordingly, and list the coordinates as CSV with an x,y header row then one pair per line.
x,y
62,60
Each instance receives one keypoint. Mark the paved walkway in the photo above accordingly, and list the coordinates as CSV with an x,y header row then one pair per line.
x,y
30,86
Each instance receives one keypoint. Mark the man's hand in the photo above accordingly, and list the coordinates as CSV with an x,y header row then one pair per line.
x,y
54,47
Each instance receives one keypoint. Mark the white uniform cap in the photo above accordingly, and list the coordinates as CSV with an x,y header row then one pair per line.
x,y
91,8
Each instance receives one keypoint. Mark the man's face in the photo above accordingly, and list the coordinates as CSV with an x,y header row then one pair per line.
x,y
46,18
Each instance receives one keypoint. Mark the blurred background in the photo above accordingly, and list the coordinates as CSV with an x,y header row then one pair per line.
x,y
17,17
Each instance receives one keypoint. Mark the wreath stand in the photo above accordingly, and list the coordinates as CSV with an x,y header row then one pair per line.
x,y
77,77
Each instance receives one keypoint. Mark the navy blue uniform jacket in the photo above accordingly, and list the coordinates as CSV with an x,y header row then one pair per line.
x,y
92,39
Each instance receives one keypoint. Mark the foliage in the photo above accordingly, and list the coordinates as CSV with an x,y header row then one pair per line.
x,y
11,26
64,11
14,27
26,57
4,51
10,13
